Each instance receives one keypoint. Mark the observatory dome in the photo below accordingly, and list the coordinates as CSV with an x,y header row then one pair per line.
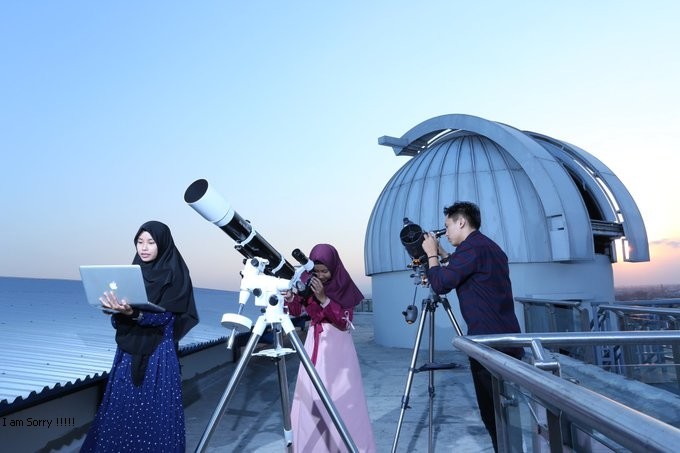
x,y
542,200
555,209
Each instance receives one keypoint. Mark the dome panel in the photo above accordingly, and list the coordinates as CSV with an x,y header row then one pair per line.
x,y
466,161
422,166
431,219
484,153
450,163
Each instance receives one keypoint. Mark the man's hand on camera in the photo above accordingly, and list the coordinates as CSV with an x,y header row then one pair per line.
x,y
430,245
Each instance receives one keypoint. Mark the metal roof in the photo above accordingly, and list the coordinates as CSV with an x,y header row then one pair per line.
x,y
52,340
542,199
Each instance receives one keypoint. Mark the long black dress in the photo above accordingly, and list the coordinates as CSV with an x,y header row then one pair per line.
x,y
142,407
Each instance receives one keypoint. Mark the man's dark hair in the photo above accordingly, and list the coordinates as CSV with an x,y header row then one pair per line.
x,y
466,209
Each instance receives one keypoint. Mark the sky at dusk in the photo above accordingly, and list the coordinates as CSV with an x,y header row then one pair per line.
x,y
109,110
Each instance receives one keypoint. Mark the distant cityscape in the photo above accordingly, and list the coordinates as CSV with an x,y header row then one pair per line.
x,y
647,292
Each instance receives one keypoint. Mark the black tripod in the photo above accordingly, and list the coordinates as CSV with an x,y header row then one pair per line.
x,y
429,305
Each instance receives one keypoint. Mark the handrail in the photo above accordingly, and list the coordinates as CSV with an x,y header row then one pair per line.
x,y
649,302
579,338
640,309
567,303
628,427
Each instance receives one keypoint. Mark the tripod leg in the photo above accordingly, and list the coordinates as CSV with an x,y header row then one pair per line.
x,y
409,379
235,378
447,308
430,389
283,390
318,385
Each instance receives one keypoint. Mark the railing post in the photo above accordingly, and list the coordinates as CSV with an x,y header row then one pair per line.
x,y
555,437
541,360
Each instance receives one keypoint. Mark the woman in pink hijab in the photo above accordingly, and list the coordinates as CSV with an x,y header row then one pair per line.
x,y
331,349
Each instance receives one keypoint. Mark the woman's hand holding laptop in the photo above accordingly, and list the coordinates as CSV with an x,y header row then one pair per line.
x,y
110,300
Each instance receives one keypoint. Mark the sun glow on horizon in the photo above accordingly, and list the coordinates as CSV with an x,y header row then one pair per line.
x,y
662,268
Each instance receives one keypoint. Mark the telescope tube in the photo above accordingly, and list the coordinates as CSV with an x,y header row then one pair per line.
x,y
412,235
215,209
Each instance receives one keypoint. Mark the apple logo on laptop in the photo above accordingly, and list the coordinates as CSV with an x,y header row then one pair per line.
x,y
113,286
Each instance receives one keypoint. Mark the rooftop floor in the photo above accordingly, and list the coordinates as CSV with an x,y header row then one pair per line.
x,y
253,420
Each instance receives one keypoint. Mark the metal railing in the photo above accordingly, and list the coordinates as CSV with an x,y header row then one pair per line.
x,y
647,363
572,413
657,364
552,315
575,317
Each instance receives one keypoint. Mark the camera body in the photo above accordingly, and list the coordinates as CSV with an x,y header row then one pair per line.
x,y
305,289
412,236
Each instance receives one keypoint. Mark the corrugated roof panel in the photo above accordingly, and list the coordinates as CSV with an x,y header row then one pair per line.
x,y
51,339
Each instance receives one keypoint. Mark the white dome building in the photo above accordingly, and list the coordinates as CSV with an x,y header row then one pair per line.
x,y
554,209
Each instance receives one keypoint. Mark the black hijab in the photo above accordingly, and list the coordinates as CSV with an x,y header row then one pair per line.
x,y
168,284
167,279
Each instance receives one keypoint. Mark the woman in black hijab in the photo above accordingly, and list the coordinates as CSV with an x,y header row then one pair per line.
x,y
142,407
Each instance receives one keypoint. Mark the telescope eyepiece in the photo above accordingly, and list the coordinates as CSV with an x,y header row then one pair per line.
x,y
439,233
300,257
305,262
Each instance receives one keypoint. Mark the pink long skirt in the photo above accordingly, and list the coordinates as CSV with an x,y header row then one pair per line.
x,y
338,368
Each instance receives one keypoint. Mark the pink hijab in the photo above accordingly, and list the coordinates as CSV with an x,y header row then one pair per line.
x,y
340,287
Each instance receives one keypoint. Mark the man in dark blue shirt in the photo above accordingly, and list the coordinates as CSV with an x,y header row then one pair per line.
x,y
478,271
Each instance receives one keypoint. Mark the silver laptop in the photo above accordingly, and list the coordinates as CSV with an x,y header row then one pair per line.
x,y
124,279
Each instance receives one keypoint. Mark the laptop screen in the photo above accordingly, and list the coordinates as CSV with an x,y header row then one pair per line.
x,y
123,279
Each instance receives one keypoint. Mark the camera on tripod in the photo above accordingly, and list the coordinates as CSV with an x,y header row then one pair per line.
x,y
412,236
